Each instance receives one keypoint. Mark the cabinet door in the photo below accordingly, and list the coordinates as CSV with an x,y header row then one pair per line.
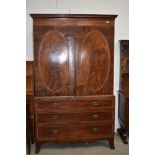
x,y
94,57
54,59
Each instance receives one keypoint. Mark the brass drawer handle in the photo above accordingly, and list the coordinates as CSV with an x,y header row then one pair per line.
x,y
55,131
95,103
95,116
54,105
95,129
55,117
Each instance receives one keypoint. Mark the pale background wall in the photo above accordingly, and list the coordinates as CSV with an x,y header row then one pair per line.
x,y
119,7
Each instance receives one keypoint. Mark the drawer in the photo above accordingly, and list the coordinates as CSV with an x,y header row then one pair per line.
x,y
50,105
73,118
75,131
93,104
55,118
97,116
76,104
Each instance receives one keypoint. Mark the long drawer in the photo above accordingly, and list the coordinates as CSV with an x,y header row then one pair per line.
x,y
73,118
75,131
73,105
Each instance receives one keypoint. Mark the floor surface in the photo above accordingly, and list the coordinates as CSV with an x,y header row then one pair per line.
x,y
97,148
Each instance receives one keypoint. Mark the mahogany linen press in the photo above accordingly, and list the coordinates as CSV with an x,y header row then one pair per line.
x,y
73,78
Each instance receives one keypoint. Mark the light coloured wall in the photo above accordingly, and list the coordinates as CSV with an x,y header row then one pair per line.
x,y
119,7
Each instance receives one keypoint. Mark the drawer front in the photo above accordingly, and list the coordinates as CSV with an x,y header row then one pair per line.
x,y
106,116
74,105
55,118
80,131
50,106
66,118
95,104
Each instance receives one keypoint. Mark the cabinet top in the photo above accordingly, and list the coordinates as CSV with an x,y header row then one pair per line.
x,y
101,16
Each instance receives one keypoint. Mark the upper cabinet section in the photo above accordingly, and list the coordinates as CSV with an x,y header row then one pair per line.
x,y
73,54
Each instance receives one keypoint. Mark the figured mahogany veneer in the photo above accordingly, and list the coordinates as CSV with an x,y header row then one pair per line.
x,y
93,68
54,75
73,78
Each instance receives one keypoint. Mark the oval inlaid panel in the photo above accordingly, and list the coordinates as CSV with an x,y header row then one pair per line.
x,y
53,61
95,60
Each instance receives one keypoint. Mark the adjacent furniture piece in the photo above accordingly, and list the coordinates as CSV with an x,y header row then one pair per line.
x,y
73,78
29,105
123,93
28,129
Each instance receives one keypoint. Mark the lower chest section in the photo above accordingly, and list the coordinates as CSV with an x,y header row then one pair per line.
x,y
74,118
